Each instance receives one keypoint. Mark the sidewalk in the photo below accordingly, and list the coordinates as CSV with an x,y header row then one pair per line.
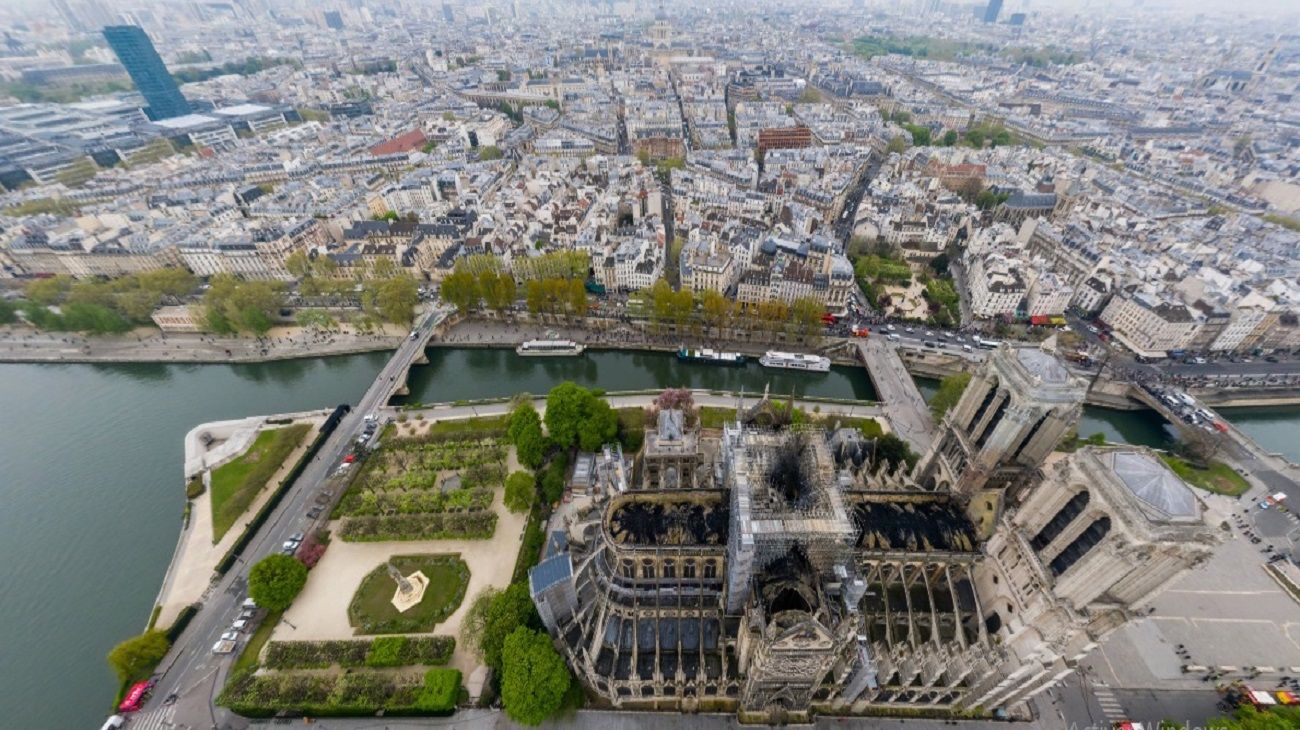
x,y
18,344
196,556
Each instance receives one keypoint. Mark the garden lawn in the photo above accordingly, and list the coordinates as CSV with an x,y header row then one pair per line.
x,y
372,611
1219,478
236,483
471,425
713,417
868,427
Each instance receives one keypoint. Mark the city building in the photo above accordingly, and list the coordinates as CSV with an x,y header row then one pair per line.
x,y
778,572
147,71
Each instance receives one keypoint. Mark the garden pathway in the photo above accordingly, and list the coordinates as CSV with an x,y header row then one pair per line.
x,y
321,610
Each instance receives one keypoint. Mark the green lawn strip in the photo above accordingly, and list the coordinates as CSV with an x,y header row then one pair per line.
x,y
248,657
469,425
713,417
868,427
372,612
1219,478
237,483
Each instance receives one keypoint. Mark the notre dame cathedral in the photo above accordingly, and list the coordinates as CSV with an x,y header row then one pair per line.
x,y
781,571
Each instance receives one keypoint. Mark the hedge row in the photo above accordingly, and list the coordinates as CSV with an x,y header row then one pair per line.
x,y
357,693
384,651
404,651
429,526
280,490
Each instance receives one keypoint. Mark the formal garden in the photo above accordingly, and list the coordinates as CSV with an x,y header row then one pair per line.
x,y
381,651
372,611
359,692
433,486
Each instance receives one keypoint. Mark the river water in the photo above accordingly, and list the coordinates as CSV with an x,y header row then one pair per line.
x,y
91,493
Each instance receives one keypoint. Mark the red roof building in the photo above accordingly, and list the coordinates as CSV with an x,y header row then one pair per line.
x,y
407,142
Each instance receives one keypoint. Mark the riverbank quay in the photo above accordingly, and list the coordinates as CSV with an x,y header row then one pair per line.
x,y
147,345
208,446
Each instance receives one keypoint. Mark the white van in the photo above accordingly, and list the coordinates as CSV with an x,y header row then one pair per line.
x,y
892,337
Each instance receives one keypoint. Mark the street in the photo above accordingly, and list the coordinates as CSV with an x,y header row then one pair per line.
x,y
190,670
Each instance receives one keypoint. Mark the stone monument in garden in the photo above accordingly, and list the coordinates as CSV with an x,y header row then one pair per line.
x,y
410,588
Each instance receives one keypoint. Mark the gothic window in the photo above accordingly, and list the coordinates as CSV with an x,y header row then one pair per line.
x,y
710,569
1061,520
1085,542
647,569
994,420
1029,435
688,569
984,405
629,570
670,569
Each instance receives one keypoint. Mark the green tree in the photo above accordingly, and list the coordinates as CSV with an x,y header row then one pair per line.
x,y
567,405
396,299
535,679
525,432
8,312
136,657
681,306
892,450
498,289
233,305
489,152
576,297
897,144
383,268
551,487
806,317
920,134
274,581
716,309
950,138
950,390
473,626
298,264
49,291
461,290
510,609
1249,718
521,491
599,427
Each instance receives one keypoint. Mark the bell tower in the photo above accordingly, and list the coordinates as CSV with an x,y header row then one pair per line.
x,y
1015,410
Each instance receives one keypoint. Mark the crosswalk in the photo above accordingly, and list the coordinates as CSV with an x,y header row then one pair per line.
x,y
159,718
1110,705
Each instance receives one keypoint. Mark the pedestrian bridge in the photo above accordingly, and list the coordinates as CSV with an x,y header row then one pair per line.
x,y
907,410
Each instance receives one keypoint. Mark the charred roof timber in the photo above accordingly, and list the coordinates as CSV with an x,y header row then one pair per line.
x,y
914,526
700,519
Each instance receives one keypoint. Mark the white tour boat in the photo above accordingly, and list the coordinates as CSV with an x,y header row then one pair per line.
x,y
796,361
549,348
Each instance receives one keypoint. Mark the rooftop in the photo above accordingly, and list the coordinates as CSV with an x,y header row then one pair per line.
x,y
1154,484
1042,365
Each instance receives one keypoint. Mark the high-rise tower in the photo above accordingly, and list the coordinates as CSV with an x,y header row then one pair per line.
x,y
992,11
147,70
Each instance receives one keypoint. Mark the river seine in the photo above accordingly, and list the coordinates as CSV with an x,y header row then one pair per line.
x,y
91,493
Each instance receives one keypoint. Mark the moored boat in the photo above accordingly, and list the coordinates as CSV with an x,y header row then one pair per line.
x,y
549,348
796,361
710,356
